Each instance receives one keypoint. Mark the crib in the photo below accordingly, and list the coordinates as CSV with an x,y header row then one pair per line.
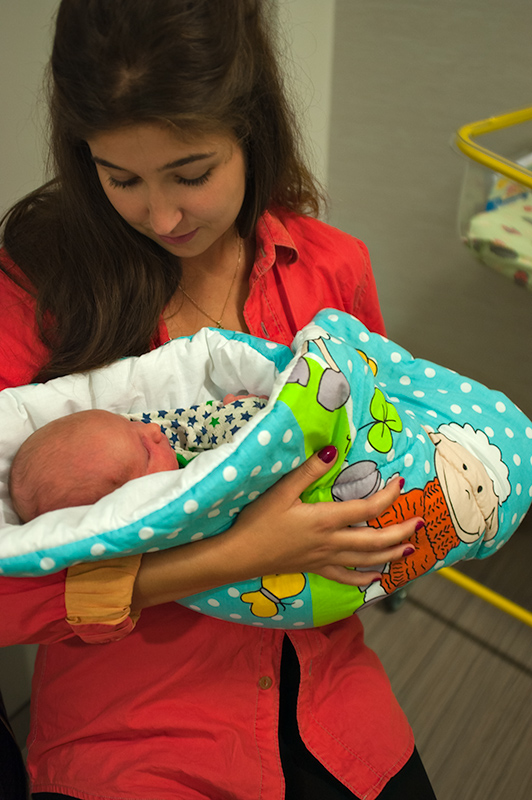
x,y
495,209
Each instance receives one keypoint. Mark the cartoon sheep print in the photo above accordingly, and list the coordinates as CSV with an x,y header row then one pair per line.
x,y
464,451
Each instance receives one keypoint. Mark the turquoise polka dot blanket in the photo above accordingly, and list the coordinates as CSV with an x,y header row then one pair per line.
x,y
464,451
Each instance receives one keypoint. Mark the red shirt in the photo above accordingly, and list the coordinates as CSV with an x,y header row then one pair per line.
x,y
186,706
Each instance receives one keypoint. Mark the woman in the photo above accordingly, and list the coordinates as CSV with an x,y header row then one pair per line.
x,y
178,203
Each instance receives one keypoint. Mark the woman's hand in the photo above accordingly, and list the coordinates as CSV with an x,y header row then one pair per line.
x,y
278,533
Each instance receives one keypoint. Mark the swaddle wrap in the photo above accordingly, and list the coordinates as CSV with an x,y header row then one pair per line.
x,y
464,451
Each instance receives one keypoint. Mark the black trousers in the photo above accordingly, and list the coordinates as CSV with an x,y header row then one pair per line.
x,y
306,778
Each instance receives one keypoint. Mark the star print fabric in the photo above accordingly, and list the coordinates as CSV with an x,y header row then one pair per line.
x,y
203,426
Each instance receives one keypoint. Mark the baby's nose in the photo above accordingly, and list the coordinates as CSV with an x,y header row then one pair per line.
x,y
155,431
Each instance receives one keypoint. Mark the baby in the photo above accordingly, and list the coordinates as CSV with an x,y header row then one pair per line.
x,y
77,459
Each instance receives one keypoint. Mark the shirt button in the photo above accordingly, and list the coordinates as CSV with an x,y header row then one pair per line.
x,y
265,682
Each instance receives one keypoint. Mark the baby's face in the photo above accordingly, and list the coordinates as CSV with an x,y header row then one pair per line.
x,y
141,447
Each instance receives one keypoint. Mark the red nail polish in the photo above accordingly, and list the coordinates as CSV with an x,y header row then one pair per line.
x,y
408,551
401,482
376,580
420,524
328,453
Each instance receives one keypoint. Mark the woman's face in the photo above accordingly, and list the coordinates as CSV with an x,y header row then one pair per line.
x,y
185,195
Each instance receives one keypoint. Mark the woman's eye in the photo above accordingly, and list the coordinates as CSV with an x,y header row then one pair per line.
x,y
196,181
116,184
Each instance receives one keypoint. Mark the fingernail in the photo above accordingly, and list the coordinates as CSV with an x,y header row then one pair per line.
x,y
408,551
328,453
420,524
401,482
376,580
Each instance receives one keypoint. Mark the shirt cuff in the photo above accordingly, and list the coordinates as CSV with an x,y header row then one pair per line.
x,y
98,599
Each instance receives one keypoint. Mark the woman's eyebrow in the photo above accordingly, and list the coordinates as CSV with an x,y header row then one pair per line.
x,y
180,162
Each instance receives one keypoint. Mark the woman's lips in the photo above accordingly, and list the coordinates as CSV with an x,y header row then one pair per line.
x,y
186,237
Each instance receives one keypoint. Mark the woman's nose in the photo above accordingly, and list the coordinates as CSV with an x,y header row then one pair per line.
x,y
164,215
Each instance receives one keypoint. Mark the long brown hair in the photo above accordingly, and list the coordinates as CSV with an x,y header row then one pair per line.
x,y
201,65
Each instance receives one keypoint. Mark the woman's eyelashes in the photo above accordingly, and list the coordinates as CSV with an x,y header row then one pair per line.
x,y
128,184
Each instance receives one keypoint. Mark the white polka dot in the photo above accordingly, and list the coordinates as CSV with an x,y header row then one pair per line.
x,y
396,357
237,496
382,384
253,495
264,438
366,369
517,460
514,519
229,474
364,337
333,317
509,433
297,604
477,409
278,617
295,462
99,549
190,506
405,380
47,563
287,435
271,345
212,602
421,438
174,533
233,511
258,624
419,393
196,536
214,513
218,503
518,489
489,431
391,455
430,372
233,592
530,492
394,400
298,624
368,448
528,432
409,460
410,413
146,533
277,466
255,471
466,387
235,616
432,413
350,365
456,409
427,467
500,407
409,433
153,550
337,341
195,608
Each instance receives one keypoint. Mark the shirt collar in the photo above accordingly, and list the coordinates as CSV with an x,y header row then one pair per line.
x,y
274,243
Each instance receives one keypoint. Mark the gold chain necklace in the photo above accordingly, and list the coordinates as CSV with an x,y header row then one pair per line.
x,y
217,322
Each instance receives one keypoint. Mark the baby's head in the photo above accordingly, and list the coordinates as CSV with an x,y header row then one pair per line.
x,y
77,459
